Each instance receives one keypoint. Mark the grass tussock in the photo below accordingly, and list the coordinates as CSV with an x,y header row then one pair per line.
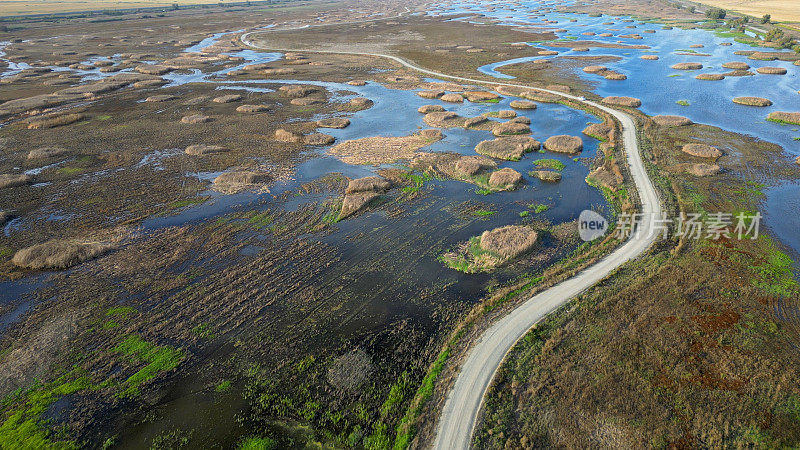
x,y
55,121
59,254
491,249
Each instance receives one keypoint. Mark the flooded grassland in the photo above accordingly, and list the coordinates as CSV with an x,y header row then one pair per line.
x,y
187,259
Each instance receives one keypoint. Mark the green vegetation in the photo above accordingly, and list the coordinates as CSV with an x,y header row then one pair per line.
x,y
262,220
782,122
22,427
550,163
258,443
774,276
416,180
483,191
157,359
179,204
716,13
482,212
405,430
204,331
465,262
71,170
683,102
123,311
524,213
538,208
223,386
715,318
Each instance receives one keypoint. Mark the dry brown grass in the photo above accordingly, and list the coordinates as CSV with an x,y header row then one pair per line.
x,y
510,241
599,131
318,139
510,129
240,180
12,180
355,202
229,98
452,98
772,70
372,184
195,118
480,96
736,65
506,179
160,98
702,169
28,7
360,103
564,144
785,10
546,175
296,91
333,122
753,101
710,76
59,254
687,66
152,69
615,76
425,109
282,135
511,148
522,104
443,119
252,108
54,121
701,150
430,94
349,371
595,69
623,101
383,150
46,152
471,165
671,121
204,149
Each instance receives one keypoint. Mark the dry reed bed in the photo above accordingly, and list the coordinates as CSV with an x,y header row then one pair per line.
x,y
753,101
671,121
564,144
511,148
54,121
384,150
701,150
59,254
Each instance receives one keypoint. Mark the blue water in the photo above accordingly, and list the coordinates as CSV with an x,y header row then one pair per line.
x,y
660,87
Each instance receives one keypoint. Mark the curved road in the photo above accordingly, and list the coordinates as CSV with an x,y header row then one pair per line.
x,y
458,418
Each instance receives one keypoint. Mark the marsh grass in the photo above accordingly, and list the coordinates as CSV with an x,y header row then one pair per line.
x,y
550,163
55,121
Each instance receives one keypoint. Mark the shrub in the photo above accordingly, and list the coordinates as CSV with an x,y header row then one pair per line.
x,y
716,13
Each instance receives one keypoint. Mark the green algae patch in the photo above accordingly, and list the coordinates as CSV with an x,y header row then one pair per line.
x,y
157,359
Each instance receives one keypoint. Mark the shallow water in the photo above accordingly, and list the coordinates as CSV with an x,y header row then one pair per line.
x,y
660,87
